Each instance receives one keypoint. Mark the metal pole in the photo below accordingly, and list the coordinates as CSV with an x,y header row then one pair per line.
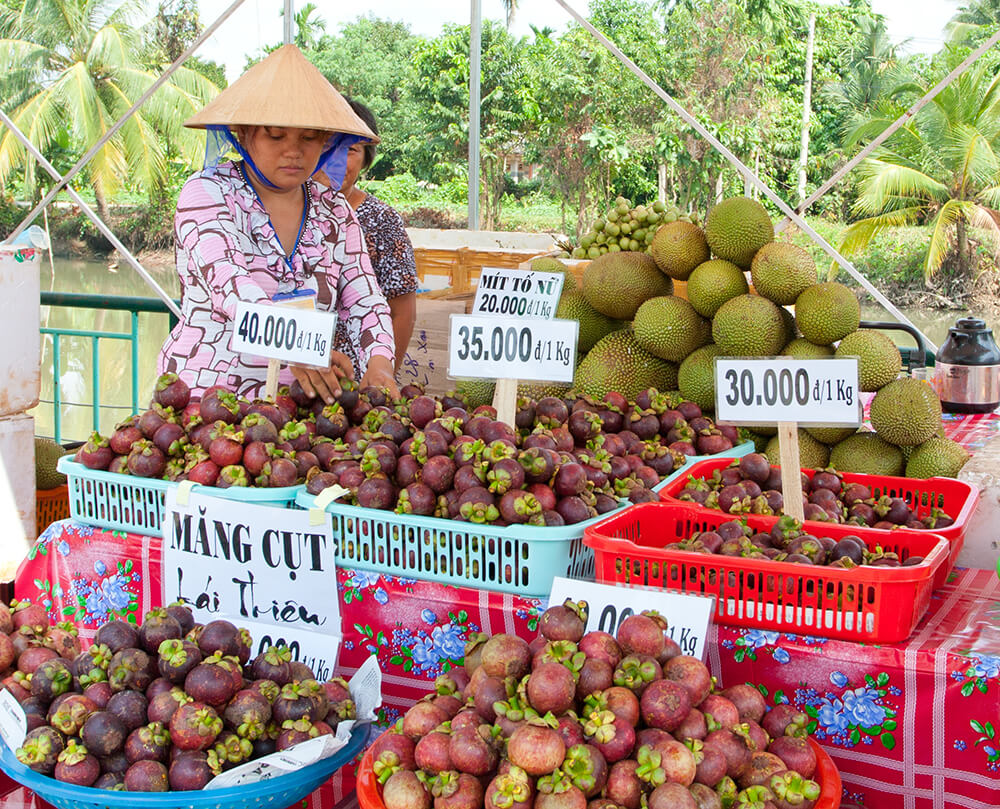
x,y
806,109
121,121
743,169
475,59
902,119
287,22
108,233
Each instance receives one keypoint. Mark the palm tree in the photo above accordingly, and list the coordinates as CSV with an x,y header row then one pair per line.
x,y
308,32
943,168
872,72
510,8
970,21
75,65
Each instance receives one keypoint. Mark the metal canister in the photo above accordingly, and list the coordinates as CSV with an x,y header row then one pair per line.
x,y
967,369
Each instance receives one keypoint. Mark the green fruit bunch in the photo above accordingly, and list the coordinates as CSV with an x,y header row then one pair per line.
x,y
624,227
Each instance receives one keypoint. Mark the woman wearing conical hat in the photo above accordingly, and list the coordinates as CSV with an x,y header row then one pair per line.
x,y
257,228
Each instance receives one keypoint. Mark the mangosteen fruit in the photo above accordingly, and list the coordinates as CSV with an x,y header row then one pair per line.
x,y
40,749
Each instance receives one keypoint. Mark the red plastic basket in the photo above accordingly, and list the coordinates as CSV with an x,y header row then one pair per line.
x,y
369,791
954,497
50,505
870,604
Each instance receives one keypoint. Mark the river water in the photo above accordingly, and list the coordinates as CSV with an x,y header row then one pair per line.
x,y
114,363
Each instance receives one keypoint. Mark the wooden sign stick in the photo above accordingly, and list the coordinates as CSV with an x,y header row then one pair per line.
x,y
791,475
505,400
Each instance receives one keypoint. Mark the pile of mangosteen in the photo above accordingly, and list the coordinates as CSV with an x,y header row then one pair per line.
x,y
750,485
562,461
587,720
165,706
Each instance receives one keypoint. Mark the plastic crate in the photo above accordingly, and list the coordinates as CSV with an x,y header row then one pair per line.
x,y
369,791
955,497
869,604
128,503
736,452
520,559
51,505
277,793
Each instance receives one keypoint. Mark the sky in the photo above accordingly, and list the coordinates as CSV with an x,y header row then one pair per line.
x,y
257,22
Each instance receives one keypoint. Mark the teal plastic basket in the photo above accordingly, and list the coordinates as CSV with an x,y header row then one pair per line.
x,y
128,503
736,452
277,793
520,559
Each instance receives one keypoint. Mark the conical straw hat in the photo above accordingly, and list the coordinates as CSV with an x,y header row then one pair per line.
x,y
285,89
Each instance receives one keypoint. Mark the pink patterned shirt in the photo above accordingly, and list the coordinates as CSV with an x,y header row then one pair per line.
x,y
227,251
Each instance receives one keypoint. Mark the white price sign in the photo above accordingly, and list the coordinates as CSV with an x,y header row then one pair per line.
x,y
776,389
688,616
268,569
517,293
484,347
285,333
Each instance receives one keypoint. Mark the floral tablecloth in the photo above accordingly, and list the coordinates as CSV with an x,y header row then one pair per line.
x,y
911,725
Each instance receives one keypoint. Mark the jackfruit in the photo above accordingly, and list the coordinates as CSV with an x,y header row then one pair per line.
x,y
713,283
748,326
878,358
552,264
670,328
593,325
788,319
937,457
906,412
539,390
476,392
827,312
617,284
812,454
696,376
619,363
781,271
679,247
868,454
47,453
800,347
736,229
830,435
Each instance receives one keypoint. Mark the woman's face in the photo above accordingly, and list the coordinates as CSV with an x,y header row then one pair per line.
x,y
285,155
355,160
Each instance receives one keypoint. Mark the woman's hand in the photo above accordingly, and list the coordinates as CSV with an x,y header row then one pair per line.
x,y
324,383
379,375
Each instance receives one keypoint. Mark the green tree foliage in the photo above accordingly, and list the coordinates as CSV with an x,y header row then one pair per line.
x,y
440,85
943,168
75,65
371,60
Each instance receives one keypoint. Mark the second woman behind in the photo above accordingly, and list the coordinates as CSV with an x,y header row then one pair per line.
x,y
388,245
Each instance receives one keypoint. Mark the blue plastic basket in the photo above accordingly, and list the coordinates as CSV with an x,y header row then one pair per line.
x,y
279,792
129,503
519,559
736,452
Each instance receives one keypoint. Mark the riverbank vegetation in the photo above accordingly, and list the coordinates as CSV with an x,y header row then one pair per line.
x,y
565,128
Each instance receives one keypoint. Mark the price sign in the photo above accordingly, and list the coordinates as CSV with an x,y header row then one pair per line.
x,y
517,293
485,347
785,389
688,616
289,334
264,568
13,722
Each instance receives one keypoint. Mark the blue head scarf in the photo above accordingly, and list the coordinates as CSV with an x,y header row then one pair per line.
x,y
220,141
